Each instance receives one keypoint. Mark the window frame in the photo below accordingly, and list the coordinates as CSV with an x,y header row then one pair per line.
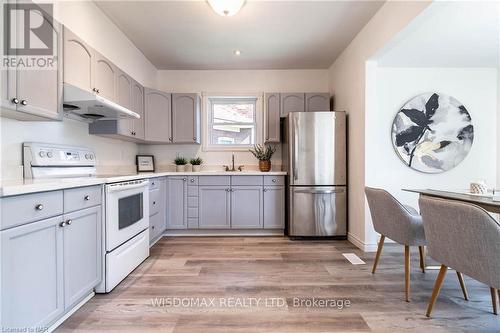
x,y
207,115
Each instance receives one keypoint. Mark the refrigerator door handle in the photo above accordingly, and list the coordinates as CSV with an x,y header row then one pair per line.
x,y
321,191
294,149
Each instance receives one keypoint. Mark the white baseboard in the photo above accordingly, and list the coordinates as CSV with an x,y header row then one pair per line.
x,y
240,232
360,244
69,313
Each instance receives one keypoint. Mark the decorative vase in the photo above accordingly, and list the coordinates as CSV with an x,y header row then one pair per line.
x,y
180,168
265,166
196,168
188,168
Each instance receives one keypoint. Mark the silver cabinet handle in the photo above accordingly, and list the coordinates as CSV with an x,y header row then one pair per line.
x,y
62,225
24,102
192,180
170,139
274,180
227,190
231,190
94,89
194,138
15,101
265,189
295,144
98,91
321,191
68,222
39,207
86,198
184,179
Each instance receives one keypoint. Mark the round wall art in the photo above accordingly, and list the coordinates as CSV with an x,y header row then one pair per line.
x,y
432,133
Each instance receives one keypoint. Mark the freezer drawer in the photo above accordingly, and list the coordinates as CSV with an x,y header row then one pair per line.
x,y
317,211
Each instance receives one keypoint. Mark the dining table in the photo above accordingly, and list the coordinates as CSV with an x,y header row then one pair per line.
x,y
484,201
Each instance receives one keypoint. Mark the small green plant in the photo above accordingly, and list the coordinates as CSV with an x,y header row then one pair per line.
x,y
263,153
196,161
180,161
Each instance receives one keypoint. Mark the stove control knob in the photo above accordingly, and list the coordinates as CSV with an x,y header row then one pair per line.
x,y
49,154
41,153
91,156
87,156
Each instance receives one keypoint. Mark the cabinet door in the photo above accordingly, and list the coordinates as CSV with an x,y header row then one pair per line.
x,y
157,116
214,207
105,73
317,102
274,207
78,61
82,254
138,107
272,117
32,274
177,202
292,102
246,207
124,98
185,118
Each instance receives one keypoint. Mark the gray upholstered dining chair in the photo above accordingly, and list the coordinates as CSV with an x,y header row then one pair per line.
x,y
402,224
465,237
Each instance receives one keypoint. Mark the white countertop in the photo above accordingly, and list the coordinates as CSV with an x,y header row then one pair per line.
x,y
25,186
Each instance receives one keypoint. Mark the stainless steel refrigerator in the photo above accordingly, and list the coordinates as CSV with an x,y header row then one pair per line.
x,y
315,158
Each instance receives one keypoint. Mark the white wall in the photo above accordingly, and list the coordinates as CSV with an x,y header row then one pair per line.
x,y
347,84
476,88
231,81
86,20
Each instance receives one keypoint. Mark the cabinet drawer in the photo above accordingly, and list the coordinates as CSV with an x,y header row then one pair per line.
x,y
154,201
214,180
154,183
83,197
246,180
193,212
192,191
274,180
193,223
23,209
193,202
193,180
156,226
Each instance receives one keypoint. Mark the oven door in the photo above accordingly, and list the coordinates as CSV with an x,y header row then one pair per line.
x,y
127,211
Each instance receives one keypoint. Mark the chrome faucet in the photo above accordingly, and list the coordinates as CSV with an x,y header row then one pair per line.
x,y
226,167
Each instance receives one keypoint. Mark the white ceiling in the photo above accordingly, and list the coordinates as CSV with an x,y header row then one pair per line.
x,y
270,34
448,34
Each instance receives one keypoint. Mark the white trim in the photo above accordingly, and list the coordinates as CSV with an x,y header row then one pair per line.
x,y
233,232
69,313
360,244
205,133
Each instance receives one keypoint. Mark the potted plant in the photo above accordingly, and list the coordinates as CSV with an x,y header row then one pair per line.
x,y
180,164
263,154
196,163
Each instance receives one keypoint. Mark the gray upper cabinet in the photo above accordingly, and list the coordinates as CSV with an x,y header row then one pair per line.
x,y
32,269
158,116
246,207
124,89
214,207
292,102
105,74
177,202
34,94
138,107
274,207
82,254
79,60
186,118
317,102
272,117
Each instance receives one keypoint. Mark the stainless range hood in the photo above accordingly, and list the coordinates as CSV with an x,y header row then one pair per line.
x,y
88,106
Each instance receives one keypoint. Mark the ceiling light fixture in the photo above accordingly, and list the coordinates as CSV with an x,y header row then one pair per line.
x,y
237,52
226,7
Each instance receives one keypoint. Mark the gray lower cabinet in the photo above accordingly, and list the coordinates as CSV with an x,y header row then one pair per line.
x,y
32,285
186,118
274,207
82,245
246,207
317,102
177,202
272,117
21,95
214,207
158,116
157,209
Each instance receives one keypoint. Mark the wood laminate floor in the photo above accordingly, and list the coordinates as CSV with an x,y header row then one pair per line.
x,y
268,284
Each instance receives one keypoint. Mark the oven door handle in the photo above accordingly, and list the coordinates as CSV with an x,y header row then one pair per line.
x,y
118,187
